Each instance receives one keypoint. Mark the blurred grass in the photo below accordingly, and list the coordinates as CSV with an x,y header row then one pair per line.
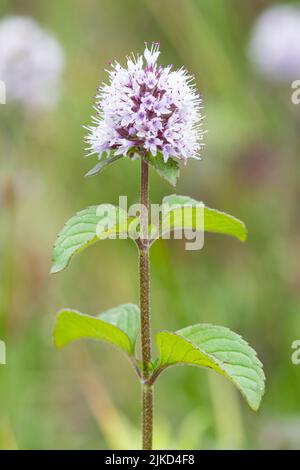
x,y
250,169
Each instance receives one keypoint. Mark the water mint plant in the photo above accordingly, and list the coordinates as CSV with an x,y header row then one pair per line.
x,y
153,114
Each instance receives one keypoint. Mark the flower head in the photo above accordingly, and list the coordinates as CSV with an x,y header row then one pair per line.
x,y
31,62
147,108
275,43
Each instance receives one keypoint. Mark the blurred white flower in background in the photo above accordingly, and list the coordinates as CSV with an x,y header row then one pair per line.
x,y
31,63
275,43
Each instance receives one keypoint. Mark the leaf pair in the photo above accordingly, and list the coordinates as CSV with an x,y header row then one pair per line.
x,y
203,345
168,170
99,222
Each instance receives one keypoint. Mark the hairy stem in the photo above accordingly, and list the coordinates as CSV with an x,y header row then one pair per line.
x,y
147,390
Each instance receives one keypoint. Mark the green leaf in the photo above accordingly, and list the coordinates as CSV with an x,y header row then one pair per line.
x,y
168,170
217,348
85,228
101,165
118,326
183,212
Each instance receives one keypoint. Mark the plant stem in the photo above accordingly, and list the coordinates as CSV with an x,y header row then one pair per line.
x,y
147,390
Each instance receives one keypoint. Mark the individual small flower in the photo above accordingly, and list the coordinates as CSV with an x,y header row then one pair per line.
x,y
147,108
275,43
31,62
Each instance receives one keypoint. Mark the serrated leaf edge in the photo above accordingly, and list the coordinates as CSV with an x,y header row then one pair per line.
x,y
217,362
57,267
130,352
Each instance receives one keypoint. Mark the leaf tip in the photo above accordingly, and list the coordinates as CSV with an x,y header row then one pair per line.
x,y
254,406
58,343
55,268
91,172
244,234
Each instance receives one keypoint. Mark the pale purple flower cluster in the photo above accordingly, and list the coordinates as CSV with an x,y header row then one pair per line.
x,y
146,107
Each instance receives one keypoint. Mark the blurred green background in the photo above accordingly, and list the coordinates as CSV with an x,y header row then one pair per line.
x,y
86,396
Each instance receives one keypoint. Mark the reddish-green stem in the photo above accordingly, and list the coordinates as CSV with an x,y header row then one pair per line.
x,y
144,262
